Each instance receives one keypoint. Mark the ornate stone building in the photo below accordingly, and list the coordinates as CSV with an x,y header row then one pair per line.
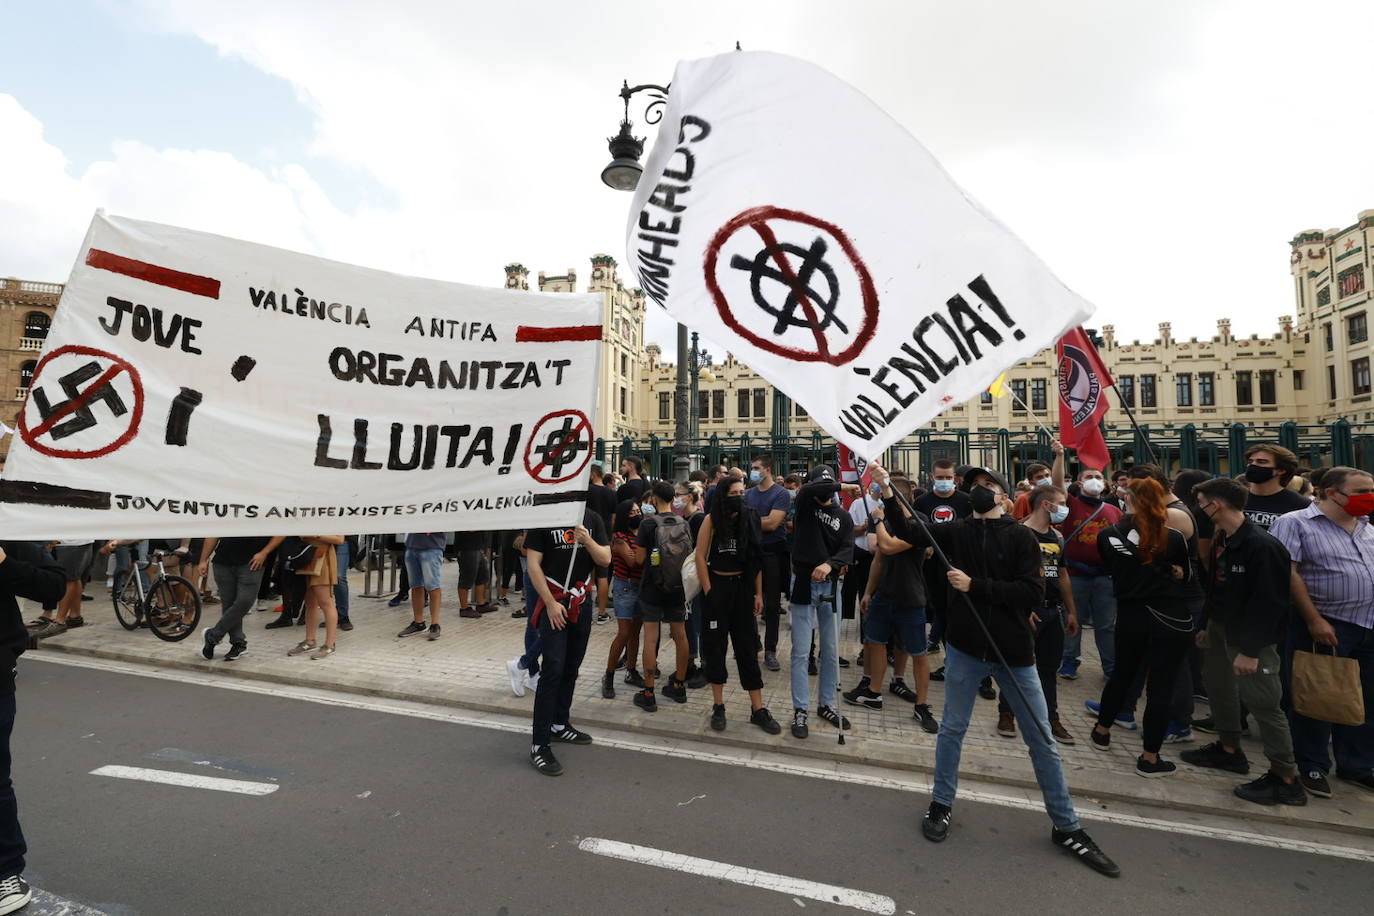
x,y
26,312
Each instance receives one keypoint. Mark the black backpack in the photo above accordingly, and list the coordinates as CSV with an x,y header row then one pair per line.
x,y
673,539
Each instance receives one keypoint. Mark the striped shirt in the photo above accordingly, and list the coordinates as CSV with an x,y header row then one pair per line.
x,y
619,568
1336,567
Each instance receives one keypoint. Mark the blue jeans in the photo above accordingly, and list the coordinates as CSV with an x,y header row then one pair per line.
x,y
625,598
530,660
1353,745
815,618
341,589
1095,602
963,674
12,847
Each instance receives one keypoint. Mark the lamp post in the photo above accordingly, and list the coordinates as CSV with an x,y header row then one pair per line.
x,y
623,174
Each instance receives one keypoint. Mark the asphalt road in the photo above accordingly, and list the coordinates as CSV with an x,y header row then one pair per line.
x,y
381,813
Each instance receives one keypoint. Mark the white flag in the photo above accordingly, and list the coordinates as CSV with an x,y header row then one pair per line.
x,y
786,217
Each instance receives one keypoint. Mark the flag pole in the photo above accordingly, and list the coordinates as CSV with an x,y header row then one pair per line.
x,y
1144,437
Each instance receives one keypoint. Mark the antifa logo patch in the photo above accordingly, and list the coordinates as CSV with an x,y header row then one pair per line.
x,y
942,514
1079,387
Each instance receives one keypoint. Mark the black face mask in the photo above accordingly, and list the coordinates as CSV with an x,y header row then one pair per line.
x,y
733,504
1257,474
982,499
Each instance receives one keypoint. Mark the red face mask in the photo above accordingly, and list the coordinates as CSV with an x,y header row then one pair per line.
x,y
1358,504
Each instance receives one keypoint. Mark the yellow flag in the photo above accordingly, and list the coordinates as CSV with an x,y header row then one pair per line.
x,y
998,388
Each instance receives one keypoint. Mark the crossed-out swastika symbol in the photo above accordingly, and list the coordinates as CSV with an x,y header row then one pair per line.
x,y
81,417
797,283
559,447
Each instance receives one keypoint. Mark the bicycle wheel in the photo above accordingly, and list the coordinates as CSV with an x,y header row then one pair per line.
x,y
172,608
127,608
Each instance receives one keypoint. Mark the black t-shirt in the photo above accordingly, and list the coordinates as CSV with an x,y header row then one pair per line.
x,y
556,550
727,554
238,551
1051,564
631,489
902,580
602,501
943,509
1265,510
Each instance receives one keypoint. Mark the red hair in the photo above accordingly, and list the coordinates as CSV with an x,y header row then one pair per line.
x,y
1151,514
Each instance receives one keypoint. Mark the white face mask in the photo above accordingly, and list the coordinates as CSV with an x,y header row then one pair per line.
x,y
1094,486
1058,514
1044,481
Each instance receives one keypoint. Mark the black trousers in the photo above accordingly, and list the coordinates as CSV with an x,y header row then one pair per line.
x,y
562,653
1144,643
729,617
776,564
855,579
12,847
1049,651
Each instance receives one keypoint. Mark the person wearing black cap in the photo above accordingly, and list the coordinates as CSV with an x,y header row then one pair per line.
x,y
822,546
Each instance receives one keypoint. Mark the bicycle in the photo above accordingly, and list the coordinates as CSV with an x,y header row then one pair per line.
x,y
169,605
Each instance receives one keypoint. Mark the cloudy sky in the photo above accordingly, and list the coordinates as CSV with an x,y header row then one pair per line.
x,y
1157,155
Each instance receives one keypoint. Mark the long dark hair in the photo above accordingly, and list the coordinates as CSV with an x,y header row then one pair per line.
x,y
625,523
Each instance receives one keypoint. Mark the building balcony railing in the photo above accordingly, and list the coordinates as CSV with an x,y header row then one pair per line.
x,y
31,343
21,393
30,286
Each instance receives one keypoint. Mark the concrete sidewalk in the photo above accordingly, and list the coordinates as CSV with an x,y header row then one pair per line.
x,y
466,668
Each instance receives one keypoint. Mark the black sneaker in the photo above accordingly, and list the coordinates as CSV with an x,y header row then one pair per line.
x,y
935,825
770,661
696,678
1314,781
834,718
843,662
415,626
1160,767
1081,846
235,653
1271,790
901,691
644,699
718,717
346,624
281,621
1213,757
569,734
545,762
434,632
763,719
207,651
633,677
938,674
923,716
73,622
986,690
15,894
675,691
862,696
932,647
799,729
608,685
1100,742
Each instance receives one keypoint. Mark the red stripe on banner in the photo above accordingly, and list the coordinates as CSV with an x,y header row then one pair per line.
x,y
151,273
524,334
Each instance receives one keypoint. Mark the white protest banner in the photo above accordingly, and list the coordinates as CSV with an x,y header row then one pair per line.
x,y
194,386
789,219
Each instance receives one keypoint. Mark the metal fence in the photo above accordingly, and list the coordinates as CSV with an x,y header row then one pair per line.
x,y
1216,449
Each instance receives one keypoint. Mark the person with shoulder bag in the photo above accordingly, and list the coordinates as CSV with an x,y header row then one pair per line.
x,y
321,575
661,548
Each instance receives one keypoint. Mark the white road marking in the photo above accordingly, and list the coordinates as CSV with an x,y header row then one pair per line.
x,y
187,780
909,782
45,904
738,874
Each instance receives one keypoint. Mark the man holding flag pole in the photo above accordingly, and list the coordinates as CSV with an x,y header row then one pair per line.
x,y
874,303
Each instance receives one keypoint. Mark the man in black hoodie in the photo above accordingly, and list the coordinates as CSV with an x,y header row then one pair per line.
x,y
822,545
995,562
27,571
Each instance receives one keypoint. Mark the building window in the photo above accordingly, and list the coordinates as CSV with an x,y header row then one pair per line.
x,y
1359,376
1245,391
624,365
1329,336
624,400
1183,389
1324,296
1356,329
742,396
985,397
718,404
801,411
26,374
1268,387
1147,391
1018,390
36,325
1298,378
760,403
1331,383
1037,394
665,405
1125,387
1351,280
1207,389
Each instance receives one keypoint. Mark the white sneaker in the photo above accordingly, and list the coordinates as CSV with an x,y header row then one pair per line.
x,y
532,683
15,894
517,677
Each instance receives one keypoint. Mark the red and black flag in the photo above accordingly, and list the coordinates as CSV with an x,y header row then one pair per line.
x,y
1083,384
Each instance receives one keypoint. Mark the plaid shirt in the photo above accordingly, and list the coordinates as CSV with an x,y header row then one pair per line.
x,y
1336,567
